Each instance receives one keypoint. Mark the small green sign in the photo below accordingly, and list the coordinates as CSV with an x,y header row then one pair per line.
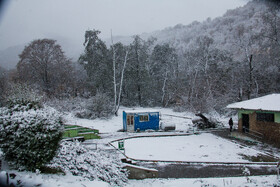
x,y
121,145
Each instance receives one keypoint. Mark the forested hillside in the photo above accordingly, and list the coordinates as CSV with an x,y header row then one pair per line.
x,y
233,57
199,67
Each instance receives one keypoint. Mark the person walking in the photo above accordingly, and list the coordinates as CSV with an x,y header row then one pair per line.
x,y
230,122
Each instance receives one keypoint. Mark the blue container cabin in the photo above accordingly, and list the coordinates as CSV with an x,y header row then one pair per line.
x,y
140,121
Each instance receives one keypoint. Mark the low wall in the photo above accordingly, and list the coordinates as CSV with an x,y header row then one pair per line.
x,y
138,172
204,170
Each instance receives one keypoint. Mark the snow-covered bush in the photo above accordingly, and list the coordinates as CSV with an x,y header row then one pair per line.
x,y
29,134
92,164
70,104
99,106
19,93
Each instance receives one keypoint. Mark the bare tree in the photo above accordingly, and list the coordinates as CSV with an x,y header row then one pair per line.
x,y
121,82
164,70
44,64
117,95
246,43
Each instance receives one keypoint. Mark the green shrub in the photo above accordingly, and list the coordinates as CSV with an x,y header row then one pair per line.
x,y
29,134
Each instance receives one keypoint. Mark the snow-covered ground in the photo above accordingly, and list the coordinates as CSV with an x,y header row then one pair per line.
x,y
251,181
31,179
116,122
204,147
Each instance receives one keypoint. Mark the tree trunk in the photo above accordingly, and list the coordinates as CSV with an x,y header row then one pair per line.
x,y
120,90
138,77
163,88
114,76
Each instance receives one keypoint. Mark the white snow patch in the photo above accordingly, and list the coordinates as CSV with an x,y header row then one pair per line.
x,y
32,179
103,125
205,147
251,181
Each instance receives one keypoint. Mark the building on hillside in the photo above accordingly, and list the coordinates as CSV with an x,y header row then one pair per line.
x,y
140,121
260,116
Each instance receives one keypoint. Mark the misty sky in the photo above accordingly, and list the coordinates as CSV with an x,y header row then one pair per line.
x,y
21,21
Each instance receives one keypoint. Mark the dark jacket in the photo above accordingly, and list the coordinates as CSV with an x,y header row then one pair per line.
x,y
230,122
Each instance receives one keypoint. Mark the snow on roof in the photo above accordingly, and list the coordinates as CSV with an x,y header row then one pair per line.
x,y
266,103
141,111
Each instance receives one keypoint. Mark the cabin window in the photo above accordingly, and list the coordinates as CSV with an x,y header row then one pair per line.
x,y
266,117
130,120
143,118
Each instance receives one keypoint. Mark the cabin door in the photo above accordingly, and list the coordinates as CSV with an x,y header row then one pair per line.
x,y
245,122
130,123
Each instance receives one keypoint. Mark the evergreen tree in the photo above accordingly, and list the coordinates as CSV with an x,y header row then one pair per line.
x,y
137,76
96,62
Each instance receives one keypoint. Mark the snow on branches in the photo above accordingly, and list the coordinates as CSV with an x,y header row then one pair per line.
x,y
29,135
92,164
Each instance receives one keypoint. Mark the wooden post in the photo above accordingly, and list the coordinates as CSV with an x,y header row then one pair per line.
x,y
278,168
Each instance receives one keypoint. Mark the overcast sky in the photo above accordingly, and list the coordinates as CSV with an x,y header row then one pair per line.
x,y
21,21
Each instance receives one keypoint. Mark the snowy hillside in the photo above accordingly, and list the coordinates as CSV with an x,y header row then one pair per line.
x,y
223,30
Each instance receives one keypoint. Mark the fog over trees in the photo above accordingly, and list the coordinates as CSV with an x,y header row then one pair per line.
x,y
198,67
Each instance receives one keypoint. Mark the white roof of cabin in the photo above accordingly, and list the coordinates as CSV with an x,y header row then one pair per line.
x,y
266,103
141,111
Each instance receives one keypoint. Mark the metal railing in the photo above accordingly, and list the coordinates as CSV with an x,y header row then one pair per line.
x,y
253,133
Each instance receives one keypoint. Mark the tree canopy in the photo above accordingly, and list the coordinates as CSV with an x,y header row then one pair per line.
x,y
43,64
